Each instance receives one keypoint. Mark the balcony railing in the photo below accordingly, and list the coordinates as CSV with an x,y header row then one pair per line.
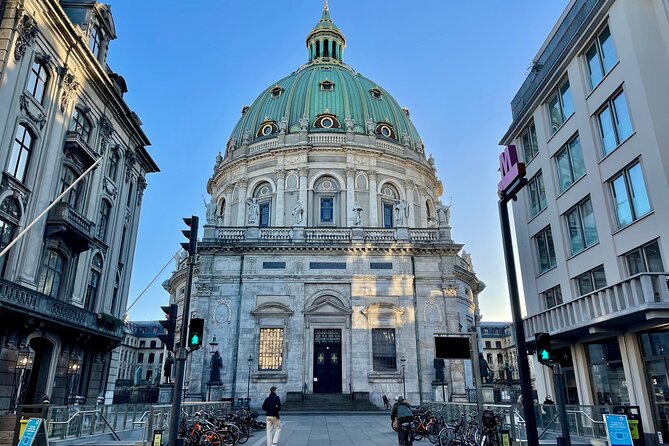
x,y
618,305
73,226
20,298
79,148
327,234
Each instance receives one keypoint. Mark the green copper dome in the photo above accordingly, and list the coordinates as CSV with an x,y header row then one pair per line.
x,y
325,96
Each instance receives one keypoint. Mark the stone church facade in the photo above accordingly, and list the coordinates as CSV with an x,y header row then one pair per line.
x,y
326,263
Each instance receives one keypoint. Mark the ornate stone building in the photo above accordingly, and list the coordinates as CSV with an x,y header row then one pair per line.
x,y
326,258
64,285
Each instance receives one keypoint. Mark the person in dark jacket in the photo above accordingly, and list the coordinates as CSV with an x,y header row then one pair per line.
x,y
401,411
272,407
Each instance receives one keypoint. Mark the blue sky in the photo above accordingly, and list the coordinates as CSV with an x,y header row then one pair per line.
x,y
192,65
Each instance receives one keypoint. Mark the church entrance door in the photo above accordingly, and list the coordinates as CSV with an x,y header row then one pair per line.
x,y
327,361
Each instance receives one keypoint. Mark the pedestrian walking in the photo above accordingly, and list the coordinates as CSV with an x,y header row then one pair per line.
x,y
272,407
400,414
386,403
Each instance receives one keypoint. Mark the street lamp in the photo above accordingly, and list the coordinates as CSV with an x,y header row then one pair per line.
x,y
403,361
212,349
248,385
23,361
213,344
73,370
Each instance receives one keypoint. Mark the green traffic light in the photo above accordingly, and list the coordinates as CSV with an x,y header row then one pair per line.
x,y
195,339
545,356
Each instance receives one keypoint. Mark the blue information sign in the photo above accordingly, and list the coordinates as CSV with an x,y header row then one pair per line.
x,y
617,430
30,432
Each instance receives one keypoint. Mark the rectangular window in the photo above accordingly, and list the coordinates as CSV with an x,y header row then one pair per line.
x,y
581,226
487,344
614,123
387,215
601,57
530,145
327,210
537,193
271,349
560,106
264,215
629,195
646,258
383,349
591,280
570,165
140,358
553,297
545,249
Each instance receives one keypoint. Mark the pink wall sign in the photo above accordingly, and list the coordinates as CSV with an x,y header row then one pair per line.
x,y
510,169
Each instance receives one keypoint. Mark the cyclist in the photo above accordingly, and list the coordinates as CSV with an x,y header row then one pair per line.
x,y
401,414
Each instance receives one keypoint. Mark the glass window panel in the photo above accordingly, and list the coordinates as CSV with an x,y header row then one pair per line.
x,y
567,102
264,215
542,246
270,349
575,235
551,249
638,191
576,155
387,215
623,122
555,113
594,65
635,263
585,284
327,214
607,130
384,349
609,57
653,257
599,277
588,221
564,169
621,202
527,146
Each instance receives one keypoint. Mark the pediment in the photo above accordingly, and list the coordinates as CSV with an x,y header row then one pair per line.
x,y
327,307
382,308
272,309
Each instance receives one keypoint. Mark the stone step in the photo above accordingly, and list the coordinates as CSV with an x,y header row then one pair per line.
x,y
330,402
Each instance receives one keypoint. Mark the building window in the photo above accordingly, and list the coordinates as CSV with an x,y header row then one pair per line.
x,y
570,164
103,219
590,281
271,349
152,358
601,57
81,125
552,297
152,344
560,106
487,344
387,215
9,219
52,273
384,354
18,160
489,358
93,282
615,125
530,144
94,42
128,202
140,356
498,344
112,168
607,373
264,214
67,178
581,226
537,193
327,210
142,344
646,258
629,195
39,77
500,358
545,249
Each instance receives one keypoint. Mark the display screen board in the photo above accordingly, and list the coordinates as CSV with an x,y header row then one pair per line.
x,y
451,348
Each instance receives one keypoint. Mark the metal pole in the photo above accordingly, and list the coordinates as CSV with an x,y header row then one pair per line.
x,y
478,381
248,388
519,329
562,405
404,383
182,352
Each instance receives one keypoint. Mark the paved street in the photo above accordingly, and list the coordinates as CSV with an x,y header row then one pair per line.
x,y
339,430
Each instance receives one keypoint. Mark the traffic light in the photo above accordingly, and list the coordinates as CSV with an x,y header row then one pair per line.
x,y
195,332
191,234
544,351
169,324
438,369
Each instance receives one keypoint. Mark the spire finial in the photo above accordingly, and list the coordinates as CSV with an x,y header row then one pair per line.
x,y
325,7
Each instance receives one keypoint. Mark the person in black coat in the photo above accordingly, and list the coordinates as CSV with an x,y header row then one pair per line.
x,y
402,412
272,407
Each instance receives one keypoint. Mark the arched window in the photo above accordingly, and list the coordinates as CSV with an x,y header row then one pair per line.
x,y
93,282
327,191
21,150
52,273
112,168
389,197
9,220
67,178
263,196
81,124
38,80
103,219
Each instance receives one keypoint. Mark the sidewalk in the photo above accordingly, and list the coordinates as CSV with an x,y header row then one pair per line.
x,y
325,430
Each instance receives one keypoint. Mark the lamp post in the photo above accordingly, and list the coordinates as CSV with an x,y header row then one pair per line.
x,y
248,385
403,361
212,349
23,361
73,369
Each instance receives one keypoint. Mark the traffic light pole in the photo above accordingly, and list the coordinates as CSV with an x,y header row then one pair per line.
x,y
519,329
181,351
560,394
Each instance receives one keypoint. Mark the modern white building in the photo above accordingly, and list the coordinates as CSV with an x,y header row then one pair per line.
x,y
64,285
326,257
592,225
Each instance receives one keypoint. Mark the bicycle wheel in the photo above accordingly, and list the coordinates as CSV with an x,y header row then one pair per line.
x,y
432,432
446,436
210,438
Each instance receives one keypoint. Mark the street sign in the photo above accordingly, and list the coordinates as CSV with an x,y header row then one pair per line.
x,y
510,168
451,347
617,430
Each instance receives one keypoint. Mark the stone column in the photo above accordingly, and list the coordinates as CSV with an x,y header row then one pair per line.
x,y
350,195
303,172
637,387
227,193
241,208
409,187
280,185
373,201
